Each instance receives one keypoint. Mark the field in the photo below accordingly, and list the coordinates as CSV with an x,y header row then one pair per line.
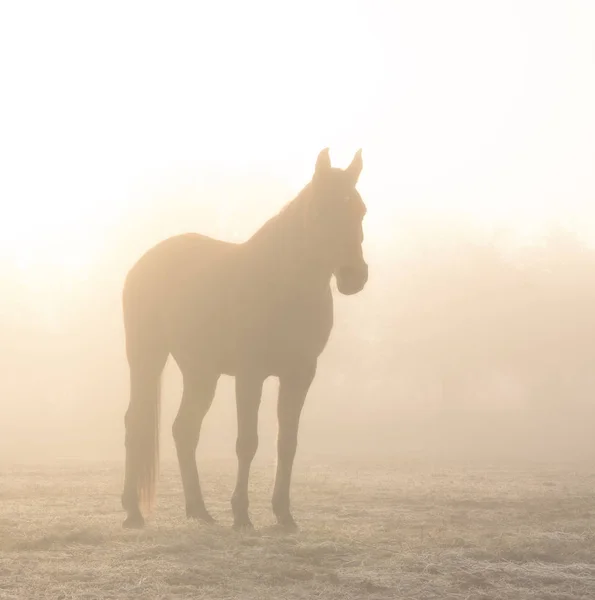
x,y
369,529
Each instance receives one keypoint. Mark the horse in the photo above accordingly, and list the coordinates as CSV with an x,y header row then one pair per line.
x,y
251,310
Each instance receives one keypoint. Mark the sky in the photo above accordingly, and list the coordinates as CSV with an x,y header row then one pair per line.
x,y
470,112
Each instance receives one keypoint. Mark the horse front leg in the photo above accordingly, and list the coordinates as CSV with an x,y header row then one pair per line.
x,y
248,395
293,388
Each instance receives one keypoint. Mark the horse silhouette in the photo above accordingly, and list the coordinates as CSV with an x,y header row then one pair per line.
x,y
250,310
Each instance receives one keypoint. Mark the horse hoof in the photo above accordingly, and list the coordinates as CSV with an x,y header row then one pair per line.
x,y
200,515
287,524
134,522
244,524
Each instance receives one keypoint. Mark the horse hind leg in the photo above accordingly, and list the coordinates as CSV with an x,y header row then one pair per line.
x,y
146,360
197,397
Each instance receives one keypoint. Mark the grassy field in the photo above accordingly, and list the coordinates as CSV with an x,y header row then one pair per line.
x,y
368,530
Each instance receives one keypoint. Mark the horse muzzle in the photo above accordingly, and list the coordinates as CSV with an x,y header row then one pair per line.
x,y
351,279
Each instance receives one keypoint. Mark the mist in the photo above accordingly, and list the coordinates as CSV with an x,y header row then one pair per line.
x,y
473,336
446,445
463,344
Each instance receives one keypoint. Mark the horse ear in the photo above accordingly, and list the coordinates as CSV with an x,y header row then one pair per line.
x,y
355,168
323,162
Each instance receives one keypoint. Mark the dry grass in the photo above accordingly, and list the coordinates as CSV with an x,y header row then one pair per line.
x,y
394,530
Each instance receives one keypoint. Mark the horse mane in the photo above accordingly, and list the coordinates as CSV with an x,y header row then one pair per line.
x,y
303,197
287,215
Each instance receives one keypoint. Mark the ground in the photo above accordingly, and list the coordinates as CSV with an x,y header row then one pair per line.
x,y
369,529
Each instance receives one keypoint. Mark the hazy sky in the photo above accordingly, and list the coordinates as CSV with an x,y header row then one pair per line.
x,y
475,110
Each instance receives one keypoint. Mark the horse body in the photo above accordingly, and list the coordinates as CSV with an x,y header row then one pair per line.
x,y
209,308
251,310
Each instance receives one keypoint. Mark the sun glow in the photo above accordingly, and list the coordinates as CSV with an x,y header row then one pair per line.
x,y
103,102
101,105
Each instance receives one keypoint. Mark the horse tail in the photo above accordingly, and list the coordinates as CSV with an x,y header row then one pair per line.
x,y
147,355
146,442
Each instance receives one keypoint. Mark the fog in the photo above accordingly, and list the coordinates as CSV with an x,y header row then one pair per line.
x,y
475,334
460,345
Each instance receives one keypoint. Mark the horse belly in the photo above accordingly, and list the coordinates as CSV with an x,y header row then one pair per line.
x,y
199,320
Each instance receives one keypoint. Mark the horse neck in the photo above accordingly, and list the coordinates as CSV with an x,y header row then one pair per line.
x,y
282,247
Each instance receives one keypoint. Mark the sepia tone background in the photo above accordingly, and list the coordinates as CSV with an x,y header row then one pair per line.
x,y
446,447
476,332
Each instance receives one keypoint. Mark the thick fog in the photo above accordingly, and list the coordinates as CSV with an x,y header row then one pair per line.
x,y
475,335
462,344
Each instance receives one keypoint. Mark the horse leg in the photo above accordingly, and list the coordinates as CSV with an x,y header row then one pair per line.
x,y
197,397
248,394
142,434
293,388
